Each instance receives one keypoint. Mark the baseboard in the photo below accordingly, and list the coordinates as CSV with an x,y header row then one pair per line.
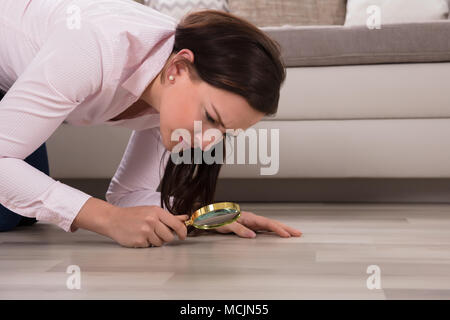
x,y
385,190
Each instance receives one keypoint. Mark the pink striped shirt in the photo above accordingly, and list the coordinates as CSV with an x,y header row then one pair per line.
x,y
82,62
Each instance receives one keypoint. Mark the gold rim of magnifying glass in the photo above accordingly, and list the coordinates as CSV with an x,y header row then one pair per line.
x,y
213,207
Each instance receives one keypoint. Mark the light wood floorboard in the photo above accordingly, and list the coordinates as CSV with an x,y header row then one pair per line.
x,y
410,243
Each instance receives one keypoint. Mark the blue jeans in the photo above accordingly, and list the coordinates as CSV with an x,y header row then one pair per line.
x,y
39,160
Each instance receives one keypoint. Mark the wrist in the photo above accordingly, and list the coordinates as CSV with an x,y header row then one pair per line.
x,y
95,215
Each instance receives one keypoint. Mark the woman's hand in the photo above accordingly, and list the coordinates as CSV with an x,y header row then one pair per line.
x,y
249,222
145,226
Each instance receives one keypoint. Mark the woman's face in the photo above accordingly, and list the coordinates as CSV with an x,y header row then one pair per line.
x,y
181,101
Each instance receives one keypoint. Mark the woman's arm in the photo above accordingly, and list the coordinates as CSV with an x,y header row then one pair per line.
x,y
94,216
67,69
139,172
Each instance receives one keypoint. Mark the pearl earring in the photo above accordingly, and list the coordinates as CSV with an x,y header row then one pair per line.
x,y
171,78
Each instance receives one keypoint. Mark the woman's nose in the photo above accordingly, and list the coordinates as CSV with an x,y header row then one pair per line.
x,y
205,143
208,144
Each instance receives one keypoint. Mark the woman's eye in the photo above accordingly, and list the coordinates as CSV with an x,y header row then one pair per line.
x,y
209,118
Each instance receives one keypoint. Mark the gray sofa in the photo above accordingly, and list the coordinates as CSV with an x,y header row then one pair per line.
x,y
362,103
357,103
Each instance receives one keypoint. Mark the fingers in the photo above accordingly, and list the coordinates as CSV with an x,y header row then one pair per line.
x,y
182,218
278,227
241,230
223,229
292,231
244,232
175,223
154,239
161,234
164,232
279,230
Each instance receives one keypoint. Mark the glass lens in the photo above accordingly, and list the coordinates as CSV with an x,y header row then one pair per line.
x,y
216,217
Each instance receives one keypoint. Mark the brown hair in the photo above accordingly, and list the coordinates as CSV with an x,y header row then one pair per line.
x,y
231,54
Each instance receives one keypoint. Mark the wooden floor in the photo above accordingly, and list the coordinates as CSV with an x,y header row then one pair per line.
x,y
409,243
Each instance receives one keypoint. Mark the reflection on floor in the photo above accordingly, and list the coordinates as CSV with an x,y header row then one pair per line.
x,y
410,244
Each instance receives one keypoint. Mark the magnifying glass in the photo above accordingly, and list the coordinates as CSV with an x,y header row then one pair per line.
x,y
214,215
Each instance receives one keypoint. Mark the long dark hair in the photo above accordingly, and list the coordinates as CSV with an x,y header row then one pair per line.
x,y
232,54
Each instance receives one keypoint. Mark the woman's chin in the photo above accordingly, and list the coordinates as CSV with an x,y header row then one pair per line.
x,y
169,146
180,145
173,146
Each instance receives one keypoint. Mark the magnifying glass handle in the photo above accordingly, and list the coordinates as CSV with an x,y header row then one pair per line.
x,y
188,222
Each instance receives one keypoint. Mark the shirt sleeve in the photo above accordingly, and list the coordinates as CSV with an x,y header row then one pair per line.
x,y
66,69
139,173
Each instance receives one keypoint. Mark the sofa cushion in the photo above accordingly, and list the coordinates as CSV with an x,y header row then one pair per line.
x,y
356,92
342,45
396,11
290,12
177,9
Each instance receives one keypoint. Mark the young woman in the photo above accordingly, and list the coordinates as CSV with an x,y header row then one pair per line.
x,y
118,62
